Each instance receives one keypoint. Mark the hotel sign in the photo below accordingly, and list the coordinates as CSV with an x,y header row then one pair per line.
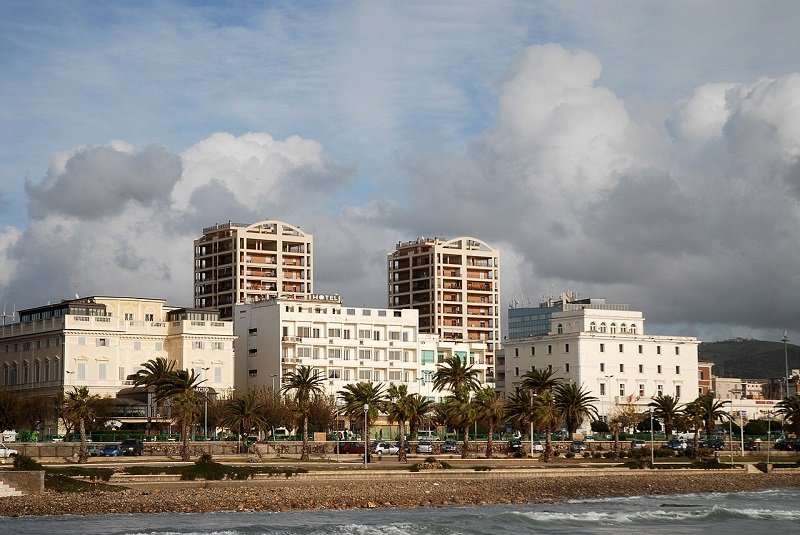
x,y
325,298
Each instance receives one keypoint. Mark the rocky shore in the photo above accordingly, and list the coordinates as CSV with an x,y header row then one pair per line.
x,y
289,494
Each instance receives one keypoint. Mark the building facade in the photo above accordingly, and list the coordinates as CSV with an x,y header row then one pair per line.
x,y
455,287
236,263
342,344
98,342
603,348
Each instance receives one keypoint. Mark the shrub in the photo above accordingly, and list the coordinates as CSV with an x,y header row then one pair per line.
x,y
445,464
414,467
25,462
94,474
569,455
482,468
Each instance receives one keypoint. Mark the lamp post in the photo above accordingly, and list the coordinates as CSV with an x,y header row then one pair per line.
x,y
652,443
730,434
273,375
769,432
366,434
786,360
205,408
741,429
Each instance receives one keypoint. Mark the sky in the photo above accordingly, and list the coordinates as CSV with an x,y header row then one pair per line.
x,y
644,152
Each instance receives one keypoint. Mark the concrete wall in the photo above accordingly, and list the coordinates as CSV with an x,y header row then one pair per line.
x,y
26,482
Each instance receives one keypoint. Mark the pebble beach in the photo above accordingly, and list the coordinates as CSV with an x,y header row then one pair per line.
x,y
382,492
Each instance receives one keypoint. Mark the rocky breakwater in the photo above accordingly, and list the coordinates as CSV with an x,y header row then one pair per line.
x,y
289,494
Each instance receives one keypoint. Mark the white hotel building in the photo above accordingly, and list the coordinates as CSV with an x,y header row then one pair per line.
x,y
343,344
603,347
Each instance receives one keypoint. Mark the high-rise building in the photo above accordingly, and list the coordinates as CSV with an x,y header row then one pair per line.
x,y
455,286
236,263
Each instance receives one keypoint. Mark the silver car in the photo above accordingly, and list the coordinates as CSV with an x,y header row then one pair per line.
x,y
425,446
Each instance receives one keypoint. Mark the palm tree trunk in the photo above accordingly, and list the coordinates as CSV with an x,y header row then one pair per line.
x,y
616,444
401,454
83,452
489,448
465,446
548,446
185,445
304,454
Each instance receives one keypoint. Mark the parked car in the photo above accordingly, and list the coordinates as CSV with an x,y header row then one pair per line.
x,y
95,450
638,444
788,444
131,446
716,444
537,446
514,446
577,446
382,446
449,446
351,447
677,444
111,450
425,446
6,452
752,445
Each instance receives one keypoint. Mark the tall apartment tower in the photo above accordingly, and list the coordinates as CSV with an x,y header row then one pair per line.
x,y
455,286
236,263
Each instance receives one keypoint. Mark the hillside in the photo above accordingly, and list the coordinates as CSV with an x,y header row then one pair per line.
x,y
749,359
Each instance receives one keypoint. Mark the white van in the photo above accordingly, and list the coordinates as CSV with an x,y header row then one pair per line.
x,y
427,434
9,436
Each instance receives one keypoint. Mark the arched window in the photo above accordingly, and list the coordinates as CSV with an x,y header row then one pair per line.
x,y
623,328
592,327
603,327
613,328
25,373
560,329
37,371
633,328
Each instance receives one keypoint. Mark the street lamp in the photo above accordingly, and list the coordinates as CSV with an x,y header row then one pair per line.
x,y
273,375
730,434
652,444
769,432
786,359
366,434
205,409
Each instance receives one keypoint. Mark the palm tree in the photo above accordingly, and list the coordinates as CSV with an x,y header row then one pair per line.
x,y
461,379
537,381
667,409
303,384
624,417
398,411
419,408
790,409
79,407
575,404
181,389
711,410
547,416
153,373
519,408
490,409
355,397
242,412
694,416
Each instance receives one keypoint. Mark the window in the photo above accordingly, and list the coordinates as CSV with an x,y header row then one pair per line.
x,y
149,317
641,368
36,372
550,368
405,336
252,373
346,354
677,350
533,351
623,328
603,327
364,354
394,335
677,370
602,348
304,332
347,334
566,367
602,366
592,326
516,371
81,342
560,329
658,350
128,316
102,342
217,345
395,355
516,351
304,352
81,371
677,391
613,328
549,350
633,328
364,333
427,356
395,375
334,353
217,374
376,335
315,332
137,346
622,389
602,389
365,375
659,390
197,344
621,348
566,348
334,373
121,373
102,369
641,390
658,368
621,368
641,349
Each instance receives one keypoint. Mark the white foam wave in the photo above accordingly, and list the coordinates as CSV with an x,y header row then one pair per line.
x,y
657,515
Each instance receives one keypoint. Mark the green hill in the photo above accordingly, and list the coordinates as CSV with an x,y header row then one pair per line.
x,y
749,359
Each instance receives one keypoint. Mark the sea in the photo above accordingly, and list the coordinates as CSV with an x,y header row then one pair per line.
x,y
739,513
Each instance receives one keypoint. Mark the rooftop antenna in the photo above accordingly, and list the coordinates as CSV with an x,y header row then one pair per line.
x,y
5,315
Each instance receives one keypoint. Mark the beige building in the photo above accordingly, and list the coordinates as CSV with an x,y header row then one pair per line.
x,y
98,342
236,263
454,285
343,344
